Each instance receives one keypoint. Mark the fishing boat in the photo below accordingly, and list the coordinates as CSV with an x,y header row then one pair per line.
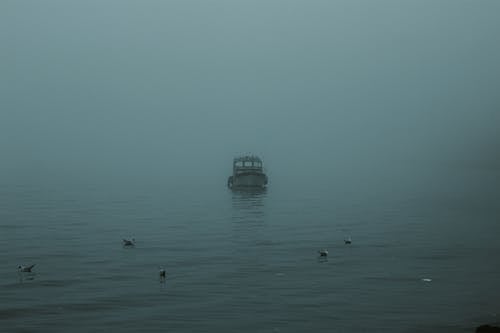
x,y
248,172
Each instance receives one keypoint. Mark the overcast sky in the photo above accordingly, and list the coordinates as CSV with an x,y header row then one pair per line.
x,y
102,89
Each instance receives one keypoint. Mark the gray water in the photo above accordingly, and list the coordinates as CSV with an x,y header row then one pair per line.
x,y
248,262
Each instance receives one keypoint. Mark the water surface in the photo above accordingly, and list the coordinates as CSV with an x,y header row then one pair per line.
x,y
248,262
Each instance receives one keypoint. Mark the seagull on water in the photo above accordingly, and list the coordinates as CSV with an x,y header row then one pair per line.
x,y
323,252
26,269
128,242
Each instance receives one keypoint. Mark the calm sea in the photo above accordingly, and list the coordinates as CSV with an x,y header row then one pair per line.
x,y
248,262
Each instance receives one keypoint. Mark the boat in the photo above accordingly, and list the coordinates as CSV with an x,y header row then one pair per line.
x,y
248,172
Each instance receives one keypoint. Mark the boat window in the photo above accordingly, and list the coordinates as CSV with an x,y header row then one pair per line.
x,y
248,164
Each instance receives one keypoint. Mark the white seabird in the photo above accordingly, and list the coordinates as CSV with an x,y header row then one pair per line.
x,y
26,269
323,252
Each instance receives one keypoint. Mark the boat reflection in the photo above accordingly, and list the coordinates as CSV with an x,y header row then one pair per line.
x,y
248,218
249,205
248,199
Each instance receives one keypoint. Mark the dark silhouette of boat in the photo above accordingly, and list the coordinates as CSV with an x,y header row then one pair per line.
x,y
248,173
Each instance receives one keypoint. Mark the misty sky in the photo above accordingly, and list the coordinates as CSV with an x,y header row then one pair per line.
x,y
101,89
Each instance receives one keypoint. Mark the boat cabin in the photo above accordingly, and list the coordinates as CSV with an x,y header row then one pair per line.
x,y
247,163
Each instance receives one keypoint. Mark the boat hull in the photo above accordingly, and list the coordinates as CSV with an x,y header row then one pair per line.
x,y
248,180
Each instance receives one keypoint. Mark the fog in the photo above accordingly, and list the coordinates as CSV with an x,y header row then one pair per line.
x,y
169,92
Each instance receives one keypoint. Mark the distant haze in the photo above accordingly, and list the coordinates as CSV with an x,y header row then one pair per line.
x,y
171,91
